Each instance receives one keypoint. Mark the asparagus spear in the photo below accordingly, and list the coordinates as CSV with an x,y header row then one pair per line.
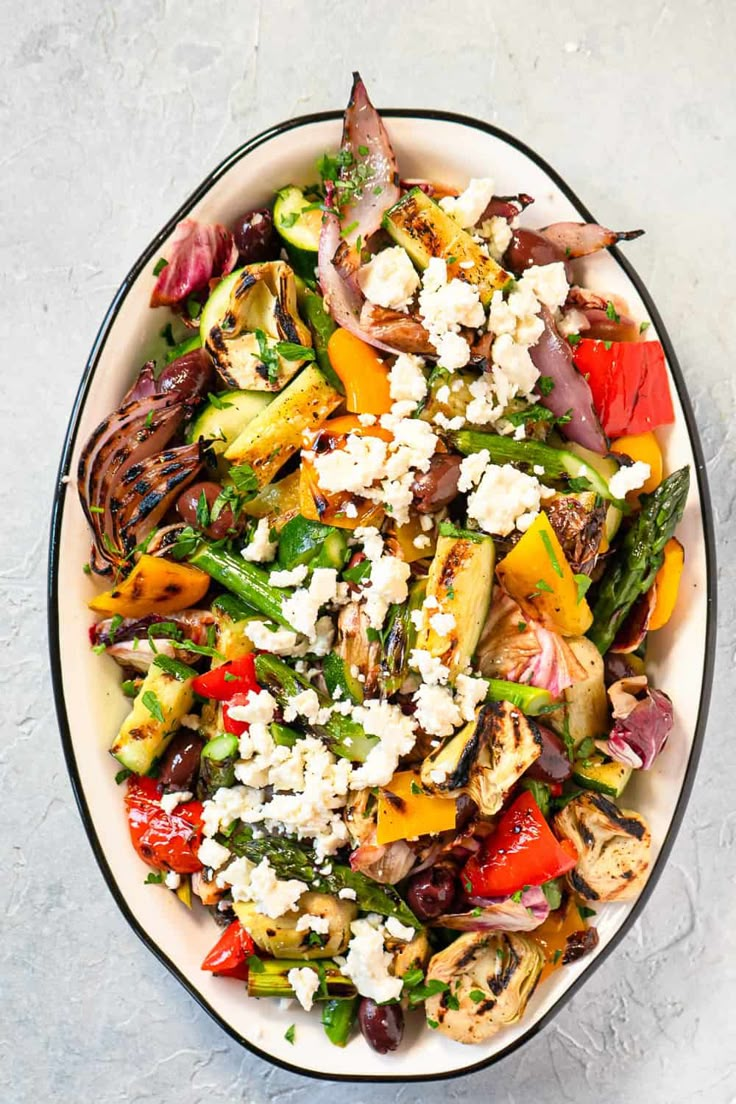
x,y
633,568
338,1019
322,327
290,860
217,764
270,979
245,580
529,699
400,638
557,463
344,736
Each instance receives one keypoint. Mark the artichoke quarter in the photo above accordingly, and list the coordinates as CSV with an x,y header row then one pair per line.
x,y
280,937
490,978
613,847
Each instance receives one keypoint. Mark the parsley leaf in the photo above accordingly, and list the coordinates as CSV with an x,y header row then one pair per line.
x,y
203,511
537,413
154,879
255,965
611,312
585,912
542,587
219,401
546,385
122,775
582,582
290,1033
244,480
153,705
185,543
644,326
290,350
415,789
288,220
549,549
268,355
476,995
160,265
574,339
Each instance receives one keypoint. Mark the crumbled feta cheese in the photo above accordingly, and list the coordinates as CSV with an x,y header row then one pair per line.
x,y
628,478
397,930
347,894
549,283
426,522
388,585
469,693
302,609
397,735
212,854
272,896
472,468
517,366
260,549
305,982
443,394
445,307
291,578
309,922
430,667
468,207
259,708
389,279
170,801
436,711
351,510
305,704
190,720
422,541
353,468
226,805
450,424
505,499
367,964
572,322
172,880
497,234
442,623
275,641
453,351
407,381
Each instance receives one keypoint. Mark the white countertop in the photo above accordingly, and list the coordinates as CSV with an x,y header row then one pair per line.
x,y
110,115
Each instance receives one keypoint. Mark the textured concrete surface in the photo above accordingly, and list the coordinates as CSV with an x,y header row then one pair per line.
x,y
110,114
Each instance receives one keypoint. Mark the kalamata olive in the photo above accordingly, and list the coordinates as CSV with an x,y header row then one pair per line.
x,y
382,1025
180,761
617,666
190,376
553,765
188,501
254,236
431,892
603,328
529,247
437,487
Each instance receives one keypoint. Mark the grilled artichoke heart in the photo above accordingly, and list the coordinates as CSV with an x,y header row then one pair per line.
x,y
262,303
503,966
485,758
585,713
280,937
354,648
578,520
613,847
409,956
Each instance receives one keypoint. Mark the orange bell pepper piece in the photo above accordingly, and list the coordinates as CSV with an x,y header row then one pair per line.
x,y
644,447
667,584
155,585
405,811
362,373
537,575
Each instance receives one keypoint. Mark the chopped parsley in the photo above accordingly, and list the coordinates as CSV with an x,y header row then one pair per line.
x,y
582,582
129,688
476,995
290,1033
574,339
154,879
549,549
607,345
268,355
175,668
521,626
287,221
149,419
542,587
122,775
432,1024
153,705
556,957
546,385
535,412
290,350
644,326
586,912
160,265
255,965
219,401
611,312
203,511
416,789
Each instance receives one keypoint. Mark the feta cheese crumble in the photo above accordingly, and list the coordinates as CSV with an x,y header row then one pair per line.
x,y
170,801
305,982
629,478
292,578
445,307
506,499
367,964
436,711
397,735
309,922
212,854
260,549
406,379
259,884
389,279
397,930
468,207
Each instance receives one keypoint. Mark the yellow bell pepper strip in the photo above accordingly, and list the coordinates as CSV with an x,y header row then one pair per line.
x,y
277,501
537,575
405,811
667,584
407,534
644,447
362,373
155,585
329,508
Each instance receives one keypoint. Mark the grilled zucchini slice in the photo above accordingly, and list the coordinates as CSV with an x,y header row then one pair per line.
x,y
160,704
424,230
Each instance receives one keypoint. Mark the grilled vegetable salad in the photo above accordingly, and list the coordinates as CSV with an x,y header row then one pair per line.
x,y
384,530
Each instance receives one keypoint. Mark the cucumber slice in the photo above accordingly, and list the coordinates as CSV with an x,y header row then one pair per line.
x,y
216,305
298,227
607,467
223,418
310,542
608,778
183,347
337,676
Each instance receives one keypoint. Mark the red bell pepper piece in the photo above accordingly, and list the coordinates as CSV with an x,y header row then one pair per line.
x,y
222,683
229,956
521,852
166,841
229,723
629,382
